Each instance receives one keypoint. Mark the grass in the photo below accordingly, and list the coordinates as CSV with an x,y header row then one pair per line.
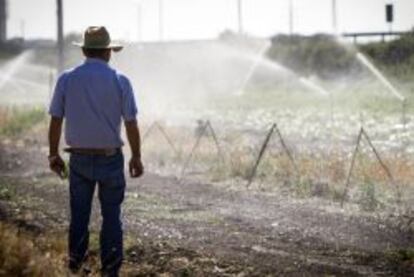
x,y
14,121
32,254
45,254
5,193
7,190
322,173
25,254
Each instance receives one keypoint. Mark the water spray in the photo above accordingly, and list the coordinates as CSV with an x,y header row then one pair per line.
x,y
381,77
312,86
364,60
13,66
262,51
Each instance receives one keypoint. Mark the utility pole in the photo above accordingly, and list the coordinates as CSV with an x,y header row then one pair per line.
x,y
139,22
60,43
334,18
22,29
240,16
3,21
161,19
290,17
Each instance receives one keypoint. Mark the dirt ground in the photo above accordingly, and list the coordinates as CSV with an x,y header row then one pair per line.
x,y
192,228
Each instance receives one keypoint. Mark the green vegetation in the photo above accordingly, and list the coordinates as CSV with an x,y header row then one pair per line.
x,y
401,255
323,56
5,193
13,122
396,57
320,54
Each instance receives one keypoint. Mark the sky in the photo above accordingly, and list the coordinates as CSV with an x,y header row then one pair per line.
x,y
202,19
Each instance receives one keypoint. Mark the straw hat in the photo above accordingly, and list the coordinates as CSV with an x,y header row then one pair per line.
x,y
97,37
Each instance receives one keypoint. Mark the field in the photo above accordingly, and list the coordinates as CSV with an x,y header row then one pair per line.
x,y
265,181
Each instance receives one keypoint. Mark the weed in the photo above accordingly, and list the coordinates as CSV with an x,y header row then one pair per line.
x,y
368,196
5,194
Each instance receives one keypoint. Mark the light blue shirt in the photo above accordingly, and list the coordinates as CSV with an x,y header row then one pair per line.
x,y
93,98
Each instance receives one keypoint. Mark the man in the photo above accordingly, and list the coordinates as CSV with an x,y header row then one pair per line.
x,y
93,99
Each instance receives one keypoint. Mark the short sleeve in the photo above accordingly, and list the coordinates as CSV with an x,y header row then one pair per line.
x,y
129,106
57,105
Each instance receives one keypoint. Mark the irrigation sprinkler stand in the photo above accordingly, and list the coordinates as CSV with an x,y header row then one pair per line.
x,y
167,137
383,165
207,126
263,149
147,132
363,133
214,136
351,169
259,158
288,152
154,125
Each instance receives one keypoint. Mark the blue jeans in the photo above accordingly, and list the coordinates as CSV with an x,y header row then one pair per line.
x,y
108,172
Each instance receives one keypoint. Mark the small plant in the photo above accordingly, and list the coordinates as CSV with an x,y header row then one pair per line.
x,y
368,196
5,194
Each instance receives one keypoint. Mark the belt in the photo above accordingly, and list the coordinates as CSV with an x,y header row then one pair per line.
x,y
94,151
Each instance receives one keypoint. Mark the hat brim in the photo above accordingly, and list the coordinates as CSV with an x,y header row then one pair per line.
x,y
112,46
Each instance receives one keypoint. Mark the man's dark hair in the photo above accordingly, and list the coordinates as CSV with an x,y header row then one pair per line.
x,y
95,53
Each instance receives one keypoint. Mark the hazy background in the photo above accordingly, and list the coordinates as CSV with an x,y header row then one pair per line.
x,y
195,19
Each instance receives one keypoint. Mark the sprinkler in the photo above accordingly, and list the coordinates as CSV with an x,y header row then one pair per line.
x,y
256,62
381,77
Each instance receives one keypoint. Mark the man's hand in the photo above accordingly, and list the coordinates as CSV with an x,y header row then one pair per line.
x,y
136,169
57,165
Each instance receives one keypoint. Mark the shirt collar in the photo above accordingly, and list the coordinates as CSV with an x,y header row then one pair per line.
x,y
94,60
